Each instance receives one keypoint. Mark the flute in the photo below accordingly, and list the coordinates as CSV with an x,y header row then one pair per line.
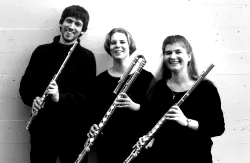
x,y
149,135
35,112
112,108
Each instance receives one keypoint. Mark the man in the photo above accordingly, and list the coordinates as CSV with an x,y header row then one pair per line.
x,y
61,125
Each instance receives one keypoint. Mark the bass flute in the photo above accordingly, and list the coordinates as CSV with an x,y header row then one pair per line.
x,y
34,113
149,135
138,59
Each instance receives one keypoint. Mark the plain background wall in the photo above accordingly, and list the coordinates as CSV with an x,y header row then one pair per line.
x,y
217,29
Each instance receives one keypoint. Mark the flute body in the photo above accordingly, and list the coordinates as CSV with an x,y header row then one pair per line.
x,y
126,86
34,113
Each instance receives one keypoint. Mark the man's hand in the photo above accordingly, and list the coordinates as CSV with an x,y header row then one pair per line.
x,y
53,91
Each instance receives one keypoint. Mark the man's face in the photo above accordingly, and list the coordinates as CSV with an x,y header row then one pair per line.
x,y
71,29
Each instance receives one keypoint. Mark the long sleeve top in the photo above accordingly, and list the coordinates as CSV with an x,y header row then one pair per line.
x,y
175,143
124,126
75,84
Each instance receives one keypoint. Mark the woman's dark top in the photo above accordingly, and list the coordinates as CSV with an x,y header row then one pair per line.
x,y
125,126
175,143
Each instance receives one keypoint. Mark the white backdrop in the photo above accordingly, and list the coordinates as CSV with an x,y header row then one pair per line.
x,y
217,29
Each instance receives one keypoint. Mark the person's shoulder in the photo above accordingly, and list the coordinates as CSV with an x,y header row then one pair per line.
x,y
43,46
147,73
157,84
87,53
42,49
86,50
103,74
207,84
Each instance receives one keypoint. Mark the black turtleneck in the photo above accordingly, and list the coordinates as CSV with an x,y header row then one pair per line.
x,y
75,85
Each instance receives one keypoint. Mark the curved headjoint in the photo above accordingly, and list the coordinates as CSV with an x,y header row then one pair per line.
x,y
137,57
129,69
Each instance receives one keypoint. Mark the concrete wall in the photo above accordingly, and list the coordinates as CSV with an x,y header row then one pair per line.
x,y
217,29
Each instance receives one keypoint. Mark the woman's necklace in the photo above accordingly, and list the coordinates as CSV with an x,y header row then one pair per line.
x,y
174,93
178,89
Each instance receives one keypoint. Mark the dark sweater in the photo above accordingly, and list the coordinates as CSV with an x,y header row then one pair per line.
x,y
125,126
75,85
175,143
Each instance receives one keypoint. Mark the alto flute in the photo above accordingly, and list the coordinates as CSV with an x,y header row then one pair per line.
x,y
126,86
149,135
34,113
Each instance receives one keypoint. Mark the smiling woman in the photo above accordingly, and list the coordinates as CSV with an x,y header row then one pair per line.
x,y
187,132
126,124
176,57
119,47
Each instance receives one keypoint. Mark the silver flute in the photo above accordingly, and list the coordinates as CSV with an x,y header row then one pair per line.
x,y
138,59
149,136
35,112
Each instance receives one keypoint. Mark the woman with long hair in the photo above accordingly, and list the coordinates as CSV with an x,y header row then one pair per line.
x,y
186,134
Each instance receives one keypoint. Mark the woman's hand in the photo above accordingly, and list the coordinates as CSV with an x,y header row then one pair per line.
x,y
93,131
142,141
175,114
53,91
124,101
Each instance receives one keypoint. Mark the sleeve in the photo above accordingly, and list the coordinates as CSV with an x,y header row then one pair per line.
x,y
212,122
30,81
